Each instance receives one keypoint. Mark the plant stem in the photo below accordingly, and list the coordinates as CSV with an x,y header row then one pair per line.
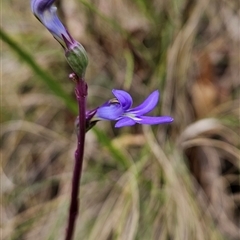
x,y
81,94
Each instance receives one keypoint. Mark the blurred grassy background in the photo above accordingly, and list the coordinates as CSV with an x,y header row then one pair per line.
x,y
178,181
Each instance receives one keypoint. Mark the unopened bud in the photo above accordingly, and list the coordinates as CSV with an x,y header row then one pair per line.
x,y
77,58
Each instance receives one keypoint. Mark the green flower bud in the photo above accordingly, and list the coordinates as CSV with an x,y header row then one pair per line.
x,y
77,58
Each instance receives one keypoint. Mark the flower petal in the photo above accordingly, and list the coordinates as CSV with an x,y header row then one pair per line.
x,y
124,98
125,121
147,106
153,120
46,14
109,111
41,5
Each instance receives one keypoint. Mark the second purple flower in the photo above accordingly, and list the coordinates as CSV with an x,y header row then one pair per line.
x,y
119,109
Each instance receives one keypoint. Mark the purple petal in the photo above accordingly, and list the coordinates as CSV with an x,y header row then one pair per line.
x,y
153,120
109,111
41,5
124,98
46,14
147,106
125,121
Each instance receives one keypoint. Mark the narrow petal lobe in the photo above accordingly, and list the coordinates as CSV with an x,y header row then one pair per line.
x,y
148,105
125,121
154,120
124,98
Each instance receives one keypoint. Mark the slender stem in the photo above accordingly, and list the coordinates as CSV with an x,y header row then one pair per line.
x,y
81,94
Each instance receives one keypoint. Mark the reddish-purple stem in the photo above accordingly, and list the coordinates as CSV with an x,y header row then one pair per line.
x,y
81,94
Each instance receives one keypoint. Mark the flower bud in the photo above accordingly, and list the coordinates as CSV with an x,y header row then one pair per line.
x,y
77,58
76,55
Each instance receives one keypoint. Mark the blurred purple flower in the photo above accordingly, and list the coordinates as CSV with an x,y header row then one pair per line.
x,y
119,109
75,53
45,12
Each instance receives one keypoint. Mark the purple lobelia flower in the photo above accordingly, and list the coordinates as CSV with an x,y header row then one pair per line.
x,y
46,13
119,109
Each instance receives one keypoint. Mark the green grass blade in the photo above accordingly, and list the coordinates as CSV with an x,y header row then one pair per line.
x,y
116,153
43,75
